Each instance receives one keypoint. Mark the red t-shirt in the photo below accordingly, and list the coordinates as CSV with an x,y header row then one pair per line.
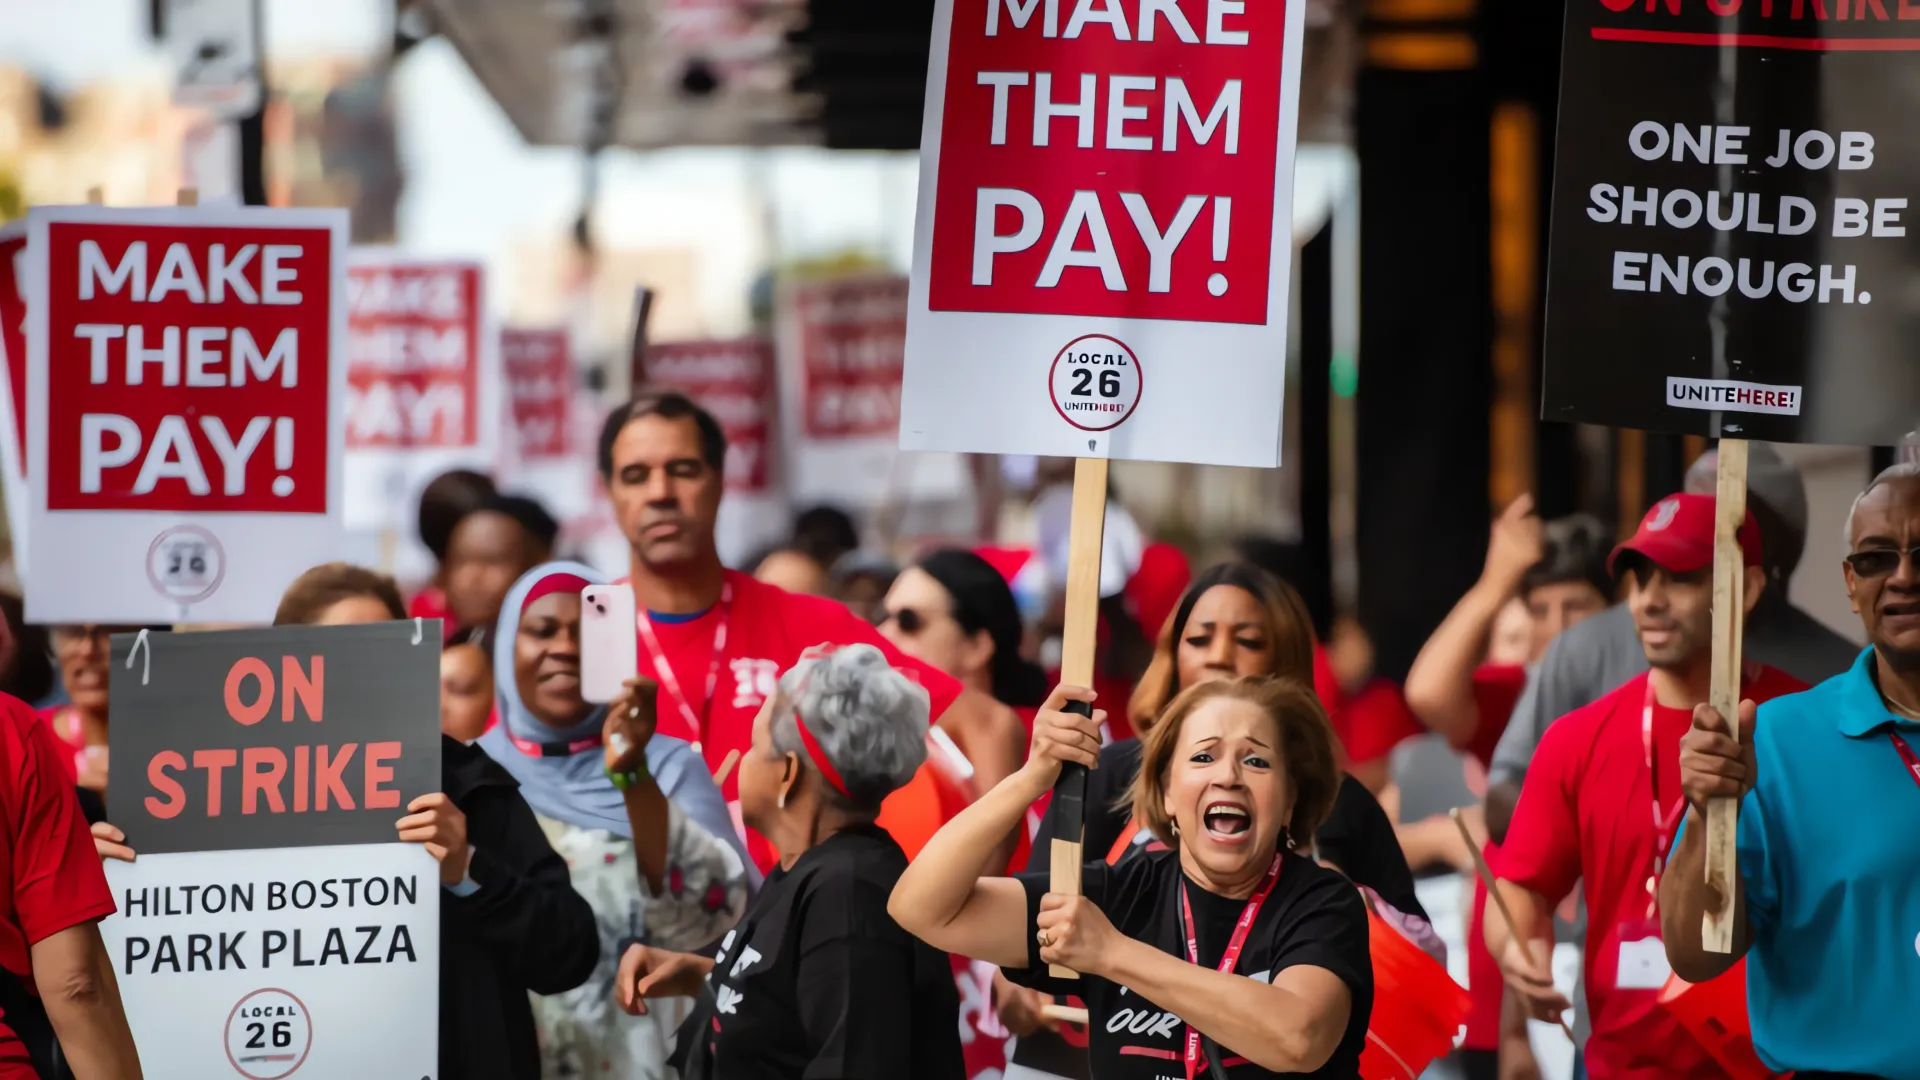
x,y
1370,722
1586,815
1496,690
1374,721
431,603
1485,985
52,878
65,728
767,630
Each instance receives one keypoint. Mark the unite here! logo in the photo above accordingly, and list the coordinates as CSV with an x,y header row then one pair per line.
x,y
1727,395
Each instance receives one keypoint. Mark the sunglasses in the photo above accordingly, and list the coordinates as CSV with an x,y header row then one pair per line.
x,y
1879,562
909,621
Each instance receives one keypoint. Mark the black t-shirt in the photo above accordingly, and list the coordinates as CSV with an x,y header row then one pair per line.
x,y
819,983
1357,836
1314,917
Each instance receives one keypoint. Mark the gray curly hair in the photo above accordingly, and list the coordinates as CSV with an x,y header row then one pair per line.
x,y
870,720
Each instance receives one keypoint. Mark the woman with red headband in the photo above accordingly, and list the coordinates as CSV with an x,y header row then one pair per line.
x,y
818,980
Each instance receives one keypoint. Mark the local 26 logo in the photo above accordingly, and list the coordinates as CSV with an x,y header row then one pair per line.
x,y
269,1034
186,564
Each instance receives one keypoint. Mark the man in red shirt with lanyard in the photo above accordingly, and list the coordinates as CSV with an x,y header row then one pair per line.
x,y
1602,801
715,639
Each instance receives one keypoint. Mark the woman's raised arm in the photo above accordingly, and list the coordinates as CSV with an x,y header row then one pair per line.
x,y
942,898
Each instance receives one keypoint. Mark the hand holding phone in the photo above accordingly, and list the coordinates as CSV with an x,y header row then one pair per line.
x,y
630,724
609,642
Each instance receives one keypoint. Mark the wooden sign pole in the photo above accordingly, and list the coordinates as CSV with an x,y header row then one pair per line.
x,y
1729,610
1088,527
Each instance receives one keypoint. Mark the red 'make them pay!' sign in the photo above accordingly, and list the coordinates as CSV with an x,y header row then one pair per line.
x,y
1109,158
182,409
414,355
734,380
1102,263
538,366
187,368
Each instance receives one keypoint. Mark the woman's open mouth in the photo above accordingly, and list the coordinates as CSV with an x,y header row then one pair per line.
x,y
1227,822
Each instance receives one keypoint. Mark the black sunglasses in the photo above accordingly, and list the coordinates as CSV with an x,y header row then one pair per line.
x,y
911,622
1879,562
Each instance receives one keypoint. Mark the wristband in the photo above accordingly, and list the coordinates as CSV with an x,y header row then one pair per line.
x,y
629,779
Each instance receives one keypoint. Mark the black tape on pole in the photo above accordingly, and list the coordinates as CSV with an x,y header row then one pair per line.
x,y
1070,791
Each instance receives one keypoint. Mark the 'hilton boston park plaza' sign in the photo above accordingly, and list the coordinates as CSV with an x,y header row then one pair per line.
x,y
273,921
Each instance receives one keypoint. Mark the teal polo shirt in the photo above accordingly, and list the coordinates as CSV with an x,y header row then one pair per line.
x,y
1830,858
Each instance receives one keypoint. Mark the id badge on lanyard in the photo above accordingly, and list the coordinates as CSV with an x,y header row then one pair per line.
x,y
1228,959
1643,955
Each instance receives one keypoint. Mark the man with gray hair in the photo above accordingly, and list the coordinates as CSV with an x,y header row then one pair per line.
x,y
1825,903
818,980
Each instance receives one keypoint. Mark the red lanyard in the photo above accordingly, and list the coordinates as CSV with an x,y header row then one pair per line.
x,y
568,749
1228,959
1663,824
663,671
1907,755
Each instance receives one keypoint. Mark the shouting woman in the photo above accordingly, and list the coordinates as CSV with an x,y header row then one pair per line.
x,y
1232,948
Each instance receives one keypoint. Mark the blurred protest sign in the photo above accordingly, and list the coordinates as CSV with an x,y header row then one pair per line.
x,y
842,342
184,370
538,368
216,48
423,382
1732,200
1103,243
13,381
274,922
734,379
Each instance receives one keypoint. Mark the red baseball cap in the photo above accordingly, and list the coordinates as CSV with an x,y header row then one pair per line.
x,y
1677,536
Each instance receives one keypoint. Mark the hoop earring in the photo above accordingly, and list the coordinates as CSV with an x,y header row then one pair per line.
x,y
1286,837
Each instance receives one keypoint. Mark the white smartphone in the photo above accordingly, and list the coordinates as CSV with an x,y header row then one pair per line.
x,y
609,642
